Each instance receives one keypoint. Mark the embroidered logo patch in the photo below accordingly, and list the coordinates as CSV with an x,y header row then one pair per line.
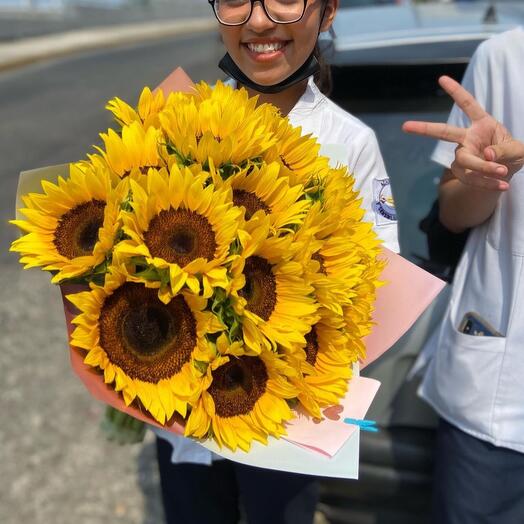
x,y
383,203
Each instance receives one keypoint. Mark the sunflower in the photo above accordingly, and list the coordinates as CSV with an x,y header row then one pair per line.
x,y
264,189
70,228
243,398
297,153
143,346
182,229
269,291
334,267
325,363
362,241
223,124
358,313
336,246
149,106
134,151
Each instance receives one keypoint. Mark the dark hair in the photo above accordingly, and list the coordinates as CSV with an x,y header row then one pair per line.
x,y
323,78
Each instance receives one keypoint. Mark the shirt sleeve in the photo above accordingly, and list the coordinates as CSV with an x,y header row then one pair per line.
x,y
475,82
372,181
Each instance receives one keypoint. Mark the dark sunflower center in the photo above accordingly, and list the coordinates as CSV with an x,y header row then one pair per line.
x,y
183,242
238,385
180,236
250,201
147,339
77,231
320,259
147,329
260,290
311,348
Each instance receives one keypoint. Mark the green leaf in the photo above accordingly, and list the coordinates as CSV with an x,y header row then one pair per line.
x,y
235,247
126,204
201,366
222,307
181,159
228,170
149,273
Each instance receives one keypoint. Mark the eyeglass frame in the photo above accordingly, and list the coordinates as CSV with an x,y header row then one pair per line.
x,y
252,2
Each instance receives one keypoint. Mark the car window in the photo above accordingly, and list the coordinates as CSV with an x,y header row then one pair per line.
x,y
380,98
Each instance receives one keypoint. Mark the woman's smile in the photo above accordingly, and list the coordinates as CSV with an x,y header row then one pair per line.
x,y
265,49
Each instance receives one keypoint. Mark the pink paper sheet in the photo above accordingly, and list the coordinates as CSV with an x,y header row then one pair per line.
x,y
178,80
409,290
328,436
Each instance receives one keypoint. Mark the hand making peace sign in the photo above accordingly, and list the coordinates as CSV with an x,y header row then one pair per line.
x,y
487,156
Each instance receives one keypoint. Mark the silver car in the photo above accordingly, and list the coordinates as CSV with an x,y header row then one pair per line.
x,y
418,33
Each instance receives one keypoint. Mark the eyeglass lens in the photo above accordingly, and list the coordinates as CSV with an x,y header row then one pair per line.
x,y
235,12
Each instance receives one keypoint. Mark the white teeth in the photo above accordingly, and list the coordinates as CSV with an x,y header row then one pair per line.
x,y
265,48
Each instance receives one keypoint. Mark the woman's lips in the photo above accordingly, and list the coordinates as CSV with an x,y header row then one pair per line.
x,y
265,51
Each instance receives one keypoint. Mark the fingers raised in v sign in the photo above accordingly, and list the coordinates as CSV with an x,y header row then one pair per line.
x,y
435,130
463,98
446,132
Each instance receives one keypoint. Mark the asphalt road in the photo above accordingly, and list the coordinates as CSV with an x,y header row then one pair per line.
x,y
28,23
56,466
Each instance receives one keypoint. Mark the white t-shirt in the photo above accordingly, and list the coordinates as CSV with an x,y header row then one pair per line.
x,y
331,125
477,383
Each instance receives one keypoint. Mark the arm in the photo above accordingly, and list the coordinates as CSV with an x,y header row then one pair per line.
x,y
486,158
462,206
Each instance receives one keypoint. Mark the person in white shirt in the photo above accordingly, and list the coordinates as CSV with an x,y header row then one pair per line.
x,y
272,51
476,383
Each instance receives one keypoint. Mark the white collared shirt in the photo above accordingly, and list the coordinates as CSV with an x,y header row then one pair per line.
x,y
331,125
477,382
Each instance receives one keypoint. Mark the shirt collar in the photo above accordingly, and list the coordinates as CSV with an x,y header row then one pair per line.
x,y
307,102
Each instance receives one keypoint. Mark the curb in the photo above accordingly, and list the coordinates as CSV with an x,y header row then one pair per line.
x,y
35,49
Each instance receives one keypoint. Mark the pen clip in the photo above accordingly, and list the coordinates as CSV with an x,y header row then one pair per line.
x,y
364,425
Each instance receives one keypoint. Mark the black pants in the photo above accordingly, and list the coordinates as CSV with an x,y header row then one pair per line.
x,y
199,494
476,482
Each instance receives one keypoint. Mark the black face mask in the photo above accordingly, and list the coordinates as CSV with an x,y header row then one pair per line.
x,y
310,67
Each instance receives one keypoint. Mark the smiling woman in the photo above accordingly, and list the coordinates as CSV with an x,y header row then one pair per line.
x,y
272,51
280,52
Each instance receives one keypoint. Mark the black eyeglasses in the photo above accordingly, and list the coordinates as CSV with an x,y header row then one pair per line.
x,y
238,12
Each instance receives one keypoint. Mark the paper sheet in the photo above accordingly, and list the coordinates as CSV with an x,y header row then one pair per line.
x,y
328,436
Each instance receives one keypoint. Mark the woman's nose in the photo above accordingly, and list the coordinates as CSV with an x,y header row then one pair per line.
x,y
259,21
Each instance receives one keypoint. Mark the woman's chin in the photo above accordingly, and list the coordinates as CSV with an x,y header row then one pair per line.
x,y
268,78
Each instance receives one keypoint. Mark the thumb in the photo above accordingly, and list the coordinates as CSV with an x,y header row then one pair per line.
x,y
510,152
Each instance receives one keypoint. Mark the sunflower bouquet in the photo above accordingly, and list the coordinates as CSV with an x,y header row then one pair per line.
x,y
230,278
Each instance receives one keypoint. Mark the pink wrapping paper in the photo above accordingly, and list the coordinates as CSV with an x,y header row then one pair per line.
x,y
409,290
178,80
